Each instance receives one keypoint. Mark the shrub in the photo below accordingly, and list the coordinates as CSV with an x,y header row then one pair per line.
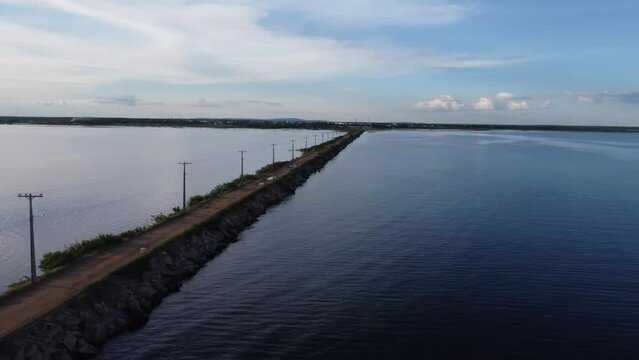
x,y
56,259
196,200
268,168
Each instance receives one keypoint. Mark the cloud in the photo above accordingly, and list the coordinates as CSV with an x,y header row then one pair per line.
x,y
517,105
400,13
126,100
501,101
233,103
176,42
628,97
484,103
196,42
441,103
585,99
504,96
470,61
508,101
50,103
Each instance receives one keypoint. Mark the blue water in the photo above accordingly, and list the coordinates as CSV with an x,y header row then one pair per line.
x,y
440,245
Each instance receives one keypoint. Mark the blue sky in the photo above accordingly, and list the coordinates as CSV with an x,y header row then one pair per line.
x,y
471,61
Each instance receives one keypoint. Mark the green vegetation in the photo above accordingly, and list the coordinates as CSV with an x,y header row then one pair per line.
x,y
269,168
18,286
54,260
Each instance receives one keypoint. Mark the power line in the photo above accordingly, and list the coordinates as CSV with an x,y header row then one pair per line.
x,y
30,197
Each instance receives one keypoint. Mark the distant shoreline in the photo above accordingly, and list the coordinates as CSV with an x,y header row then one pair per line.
x,y
294,123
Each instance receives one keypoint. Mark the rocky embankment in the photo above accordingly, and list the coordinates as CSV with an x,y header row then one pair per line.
x,y
125,299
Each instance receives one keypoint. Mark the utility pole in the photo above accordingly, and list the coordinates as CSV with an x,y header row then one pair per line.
x,y
292,150
305,142
242,162
315,140
273,145
30,197
184,183
322,138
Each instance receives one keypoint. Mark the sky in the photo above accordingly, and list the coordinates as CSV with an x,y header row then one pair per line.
x,y
448,61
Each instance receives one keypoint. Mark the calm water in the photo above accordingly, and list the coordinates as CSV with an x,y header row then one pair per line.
x,y
500,245
99,180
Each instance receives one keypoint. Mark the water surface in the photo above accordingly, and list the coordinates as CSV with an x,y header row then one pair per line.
x,y
493,245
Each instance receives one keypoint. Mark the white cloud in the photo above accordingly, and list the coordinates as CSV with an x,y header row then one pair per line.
x,y
628,97
472,62
127,100
585,99
504,96
404,13
178,42
508,101
484,103
208,42
50,103
234,103
517,105
440,103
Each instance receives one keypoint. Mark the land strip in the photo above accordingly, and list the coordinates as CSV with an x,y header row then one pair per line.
x,y
294,123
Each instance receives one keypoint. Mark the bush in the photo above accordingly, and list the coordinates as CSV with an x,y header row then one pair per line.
x,y
159,218
56,259
268,168
131,233
196,200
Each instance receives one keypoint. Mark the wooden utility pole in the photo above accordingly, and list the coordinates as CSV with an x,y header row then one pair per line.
x,y
30,197
273,145
184,183
242,162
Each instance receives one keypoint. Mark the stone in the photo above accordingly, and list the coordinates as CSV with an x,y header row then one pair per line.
x,y
70,341
97,334
87,349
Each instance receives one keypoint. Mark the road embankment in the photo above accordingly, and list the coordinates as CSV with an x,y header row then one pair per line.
x,y
73,314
